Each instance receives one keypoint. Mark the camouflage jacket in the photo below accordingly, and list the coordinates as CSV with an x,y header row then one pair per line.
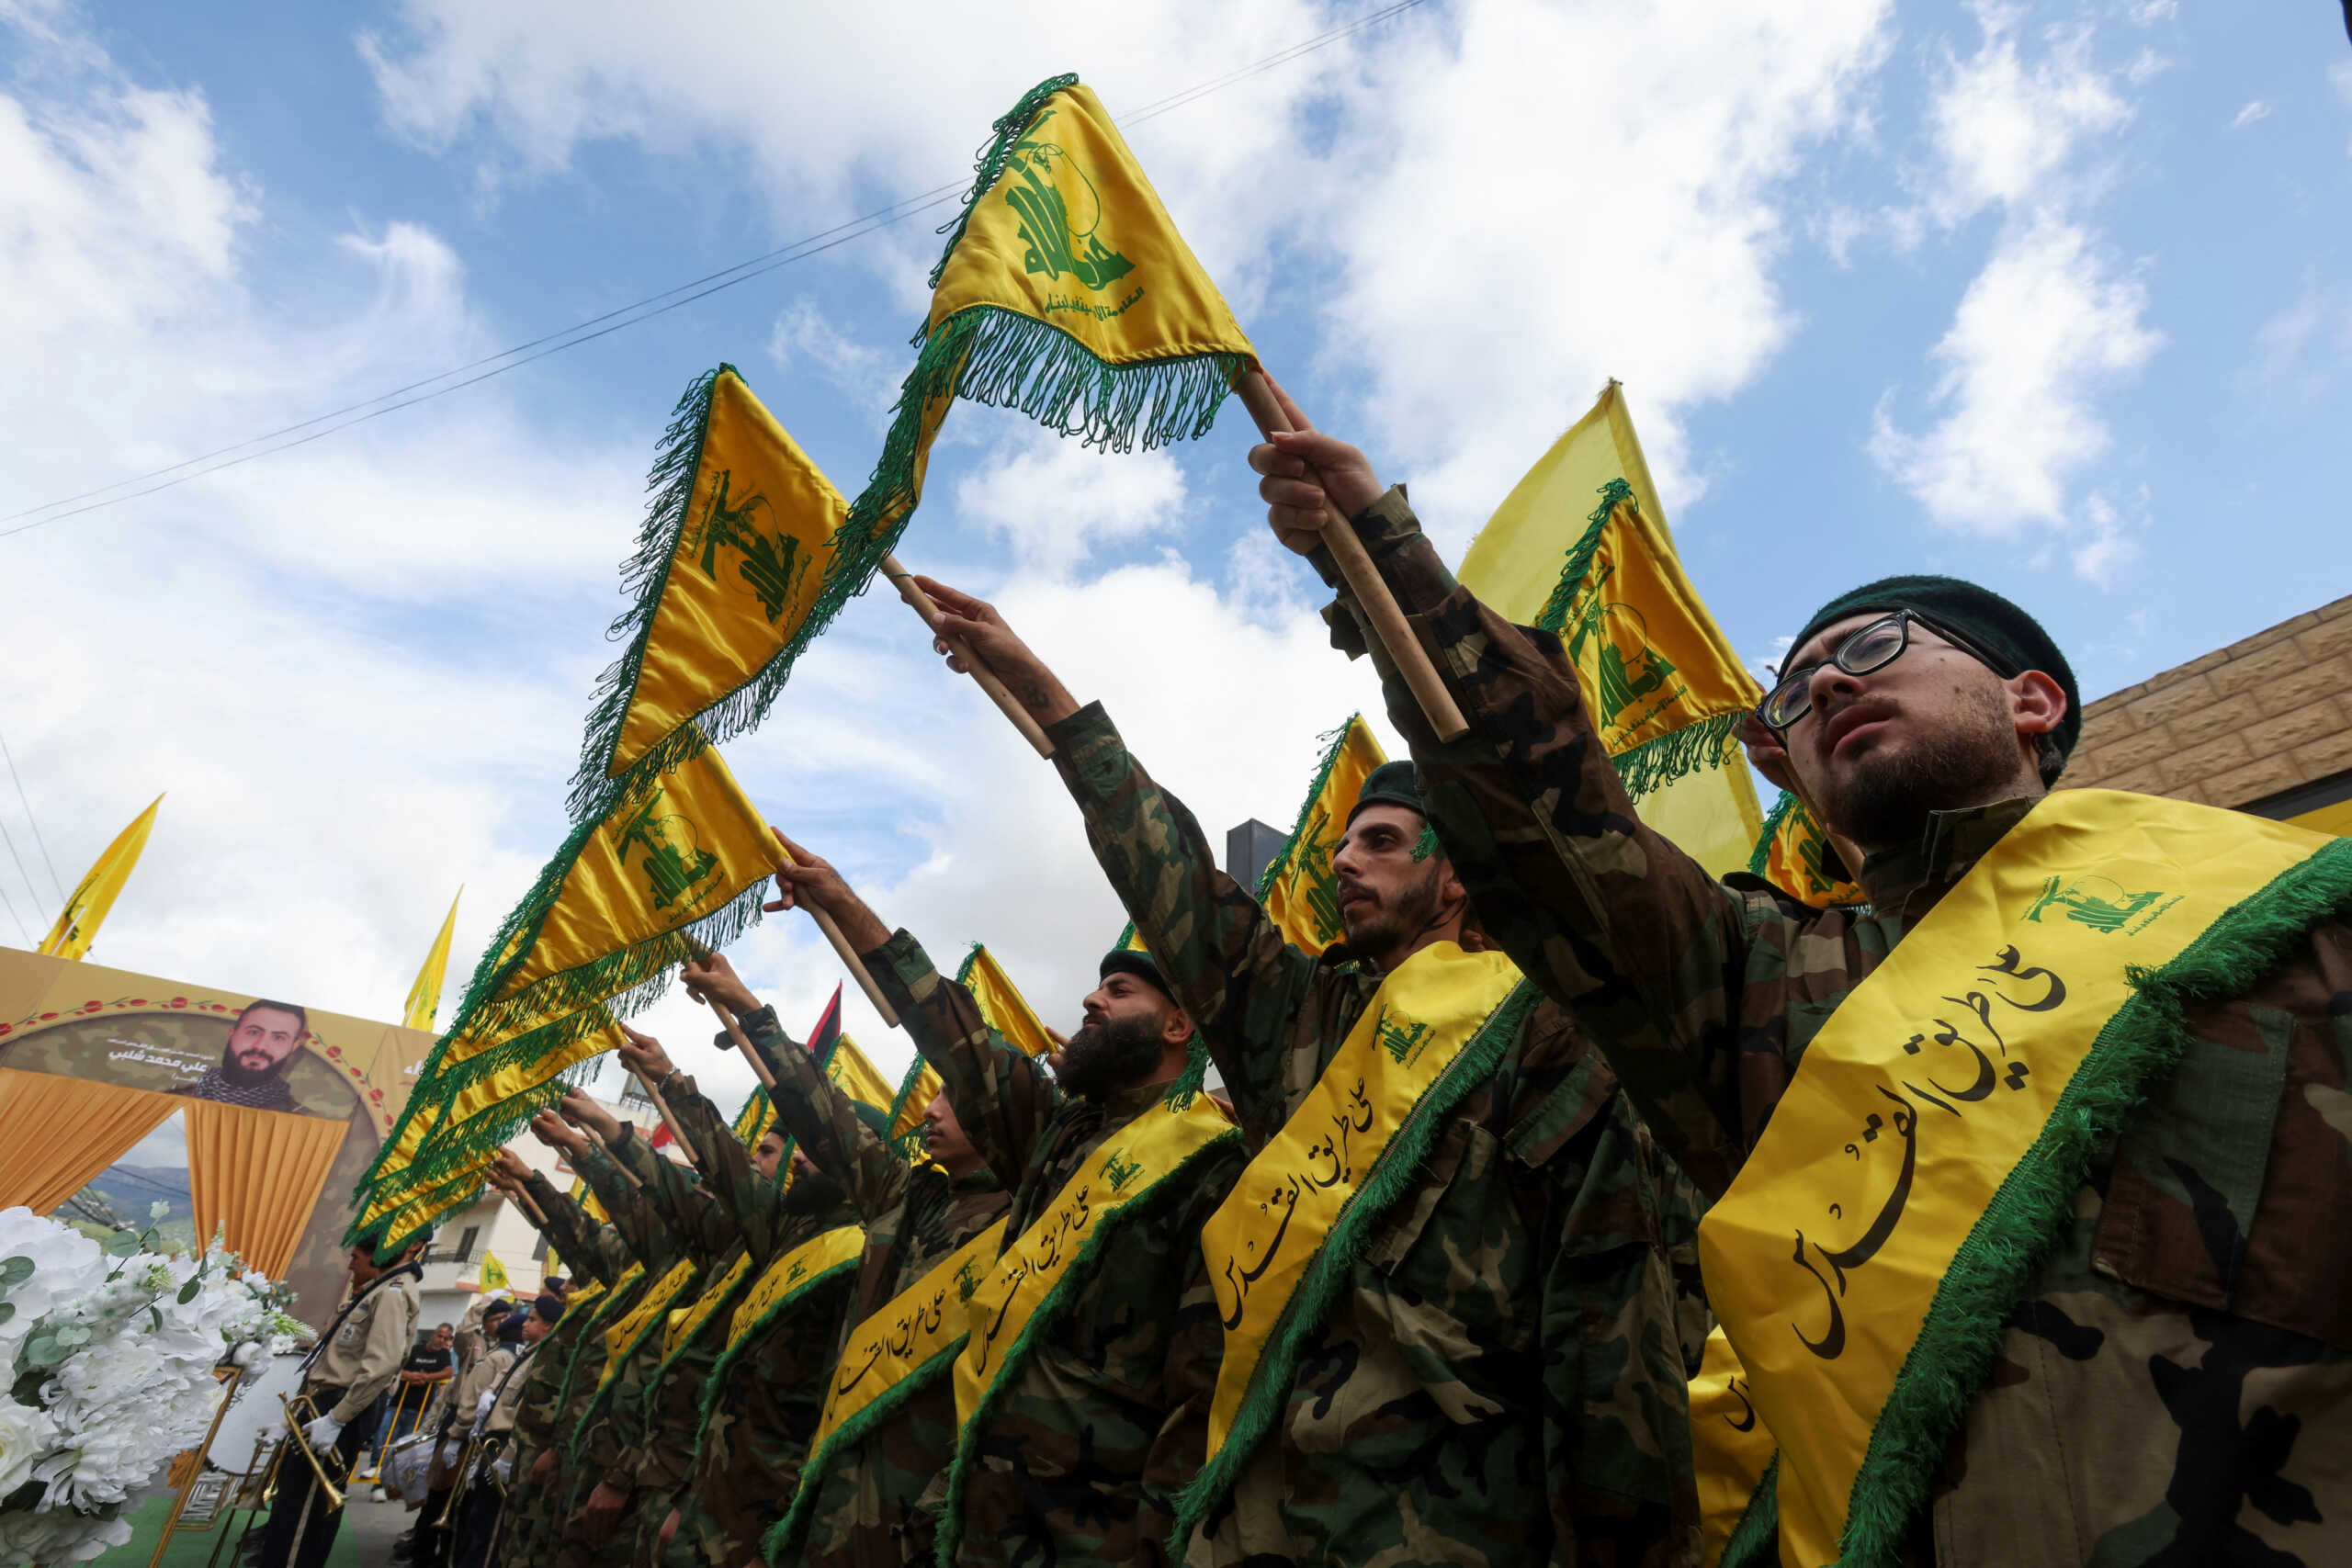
x,y
864,1514
588,1247
2175,1385
1510,1330
658,1208
1081,1456
764,1410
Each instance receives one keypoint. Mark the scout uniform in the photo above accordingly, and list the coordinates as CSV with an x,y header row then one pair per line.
x,y
1445,1279
357,1362
1981,1323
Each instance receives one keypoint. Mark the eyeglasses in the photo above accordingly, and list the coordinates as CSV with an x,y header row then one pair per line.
x,y
1866,648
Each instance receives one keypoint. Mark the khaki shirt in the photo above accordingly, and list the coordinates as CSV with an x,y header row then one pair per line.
x,y
367,1351
502,1414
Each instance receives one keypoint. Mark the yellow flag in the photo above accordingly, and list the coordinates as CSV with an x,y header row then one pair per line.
x,y
425,996
1795,855
1299,892
1580,546
728,567
494,1272
1066,292
1006,1011
77,923
752,1123
856,1077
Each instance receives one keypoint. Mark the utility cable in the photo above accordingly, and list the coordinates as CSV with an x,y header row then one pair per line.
x,y
654,305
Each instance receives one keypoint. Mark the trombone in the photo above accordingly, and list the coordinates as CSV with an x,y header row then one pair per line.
x,y
294,1435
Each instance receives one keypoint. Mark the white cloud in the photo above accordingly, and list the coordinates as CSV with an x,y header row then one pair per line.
x,y
1509,240
2304,350
2003,129
2040,330
2255,110
1055,501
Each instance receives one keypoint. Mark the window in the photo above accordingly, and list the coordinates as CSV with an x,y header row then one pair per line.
x,y
539,1250
466,1244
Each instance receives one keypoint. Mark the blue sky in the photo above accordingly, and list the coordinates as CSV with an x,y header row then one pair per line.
x,y
2050,296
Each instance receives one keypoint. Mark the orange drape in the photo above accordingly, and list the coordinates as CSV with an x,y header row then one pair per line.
x,y
256,1174
56,1132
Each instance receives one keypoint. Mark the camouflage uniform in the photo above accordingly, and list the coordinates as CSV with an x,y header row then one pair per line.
x,y
1083,1455
551,1400
864,1514
612,1437
756,1432
1503,1383
2175,1385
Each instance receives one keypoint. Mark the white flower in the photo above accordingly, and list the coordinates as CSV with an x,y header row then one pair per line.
x,y
25,1437
58,1535
159,1210
66,1264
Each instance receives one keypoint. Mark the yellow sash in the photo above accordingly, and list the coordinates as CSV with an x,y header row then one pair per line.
x,y
890,1357
686,1321
1730,1446
622,1334
1926,1090
1130,1163
915,1327
1385,1078
580,1298
817,1258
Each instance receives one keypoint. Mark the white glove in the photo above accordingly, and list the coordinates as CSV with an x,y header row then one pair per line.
x,y
505,1467
322,1433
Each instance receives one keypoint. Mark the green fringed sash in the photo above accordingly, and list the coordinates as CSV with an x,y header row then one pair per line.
x,y
1045,1321
1330,1276
743,1339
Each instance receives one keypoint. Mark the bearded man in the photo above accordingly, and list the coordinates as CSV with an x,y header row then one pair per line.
x,y
888,1422
1082,1386
2038,1246
1445,1279
263,1039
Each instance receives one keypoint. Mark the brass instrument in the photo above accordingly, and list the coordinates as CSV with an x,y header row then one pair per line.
x,y
456,1486
294,1435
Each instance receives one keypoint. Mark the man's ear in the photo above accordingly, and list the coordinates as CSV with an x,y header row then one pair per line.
x,y
2037,702
1176,1027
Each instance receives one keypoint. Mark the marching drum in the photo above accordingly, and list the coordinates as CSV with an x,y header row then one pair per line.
x,y
252,1409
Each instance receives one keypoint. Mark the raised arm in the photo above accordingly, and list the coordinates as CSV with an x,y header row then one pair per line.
x,y
809,1106
590,1247
1604,914
754,1204
635,1215
1003,1098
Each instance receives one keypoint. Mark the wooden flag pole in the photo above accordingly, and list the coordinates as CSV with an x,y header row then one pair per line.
x,y
522,1197
605,1149
663,1108
743,1043
1363,581
849,961
998,694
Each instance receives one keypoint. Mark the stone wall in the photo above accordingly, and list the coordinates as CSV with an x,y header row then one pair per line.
x,y
2267,714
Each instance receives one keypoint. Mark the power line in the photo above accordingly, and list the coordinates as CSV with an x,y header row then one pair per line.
x,y
39,842
10,904
475,371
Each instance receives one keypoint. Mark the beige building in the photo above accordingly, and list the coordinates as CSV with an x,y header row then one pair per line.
x,y
2264,726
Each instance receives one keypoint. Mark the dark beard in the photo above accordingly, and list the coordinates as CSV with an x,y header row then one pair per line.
x,y
246,1078
1886,804
1103,1057
815,1194
1389,926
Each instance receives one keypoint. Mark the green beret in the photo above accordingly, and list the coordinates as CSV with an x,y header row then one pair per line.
x,y
2013,640
1136,962
1391,783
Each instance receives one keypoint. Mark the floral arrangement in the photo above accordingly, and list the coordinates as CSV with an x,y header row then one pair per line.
x,y
109,1350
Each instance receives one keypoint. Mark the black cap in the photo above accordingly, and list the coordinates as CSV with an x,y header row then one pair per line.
x,y
2014,640
1391,783
1136,962
549,1306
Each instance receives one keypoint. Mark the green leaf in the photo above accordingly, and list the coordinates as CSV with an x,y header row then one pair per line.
x,y
7,1311
188,1291
44,1351
15,1270
123,1244
157,1313
71,1334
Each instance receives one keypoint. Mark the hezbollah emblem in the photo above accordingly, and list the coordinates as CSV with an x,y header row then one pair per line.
x,y
1311,879
2100,903
675,863
1632,674
1061,213
772,565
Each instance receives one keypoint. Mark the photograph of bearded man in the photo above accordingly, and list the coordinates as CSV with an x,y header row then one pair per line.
x,y
262,1044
